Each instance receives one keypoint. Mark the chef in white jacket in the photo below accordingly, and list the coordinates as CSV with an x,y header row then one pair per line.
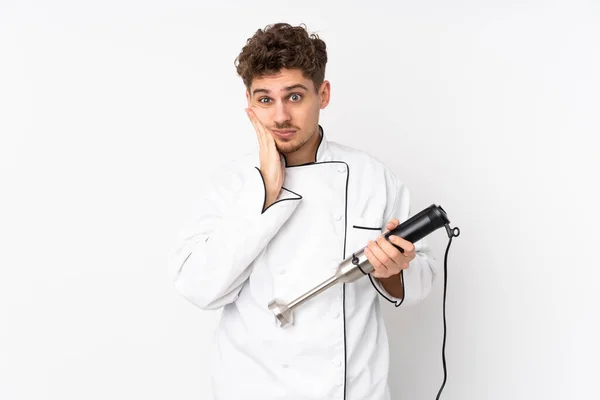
x,y
277,222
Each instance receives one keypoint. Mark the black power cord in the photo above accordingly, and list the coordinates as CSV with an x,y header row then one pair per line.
x,y
452,233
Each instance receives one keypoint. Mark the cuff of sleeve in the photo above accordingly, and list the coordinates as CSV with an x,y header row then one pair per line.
x,y
254,195
284,194
415,281
379,287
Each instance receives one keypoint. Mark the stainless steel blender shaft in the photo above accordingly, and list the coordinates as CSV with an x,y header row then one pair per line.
x,y
349,270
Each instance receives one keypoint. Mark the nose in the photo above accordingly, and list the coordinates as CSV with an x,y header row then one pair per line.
x,y
281,113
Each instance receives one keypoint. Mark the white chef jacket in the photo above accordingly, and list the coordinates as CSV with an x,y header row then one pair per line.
x,y
236,257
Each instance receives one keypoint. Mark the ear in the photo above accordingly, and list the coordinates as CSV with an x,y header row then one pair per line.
x,y
325,94
248,97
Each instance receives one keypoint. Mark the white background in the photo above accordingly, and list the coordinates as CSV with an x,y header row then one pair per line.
x,y
111,113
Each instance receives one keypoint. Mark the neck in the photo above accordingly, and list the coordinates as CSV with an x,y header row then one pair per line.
x,y
307,153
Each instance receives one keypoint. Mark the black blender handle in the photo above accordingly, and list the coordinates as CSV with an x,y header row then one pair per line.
x,y
420,225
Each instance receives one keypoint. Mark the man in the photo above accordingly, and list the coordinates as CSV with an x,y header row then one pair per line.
x,y
278,222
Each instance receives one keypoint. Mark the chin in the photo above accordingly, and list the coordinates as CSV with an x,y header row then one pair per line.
x,y
288,147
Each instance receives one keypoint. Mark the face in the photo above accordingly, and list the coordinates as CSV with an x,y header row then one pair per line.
x,y
288,106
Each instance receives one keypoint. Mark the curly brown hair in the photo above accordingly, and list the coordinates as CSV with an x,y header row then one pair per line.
x,y
280,46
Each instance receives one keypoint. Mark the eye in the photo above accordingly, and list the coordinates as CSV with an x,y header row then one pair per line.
x,y
264,100
295,97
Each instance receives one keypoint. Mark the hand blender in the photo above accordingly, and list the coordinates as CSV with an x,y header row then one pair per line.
x,y
357,265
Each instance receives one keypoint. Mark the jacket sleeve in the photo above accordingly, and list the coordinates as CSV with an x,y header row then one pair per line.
x,y
418,278
212,257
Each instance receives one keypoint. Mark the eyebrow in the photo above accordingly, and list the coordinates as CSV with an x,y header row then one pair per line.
x,y
285,89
